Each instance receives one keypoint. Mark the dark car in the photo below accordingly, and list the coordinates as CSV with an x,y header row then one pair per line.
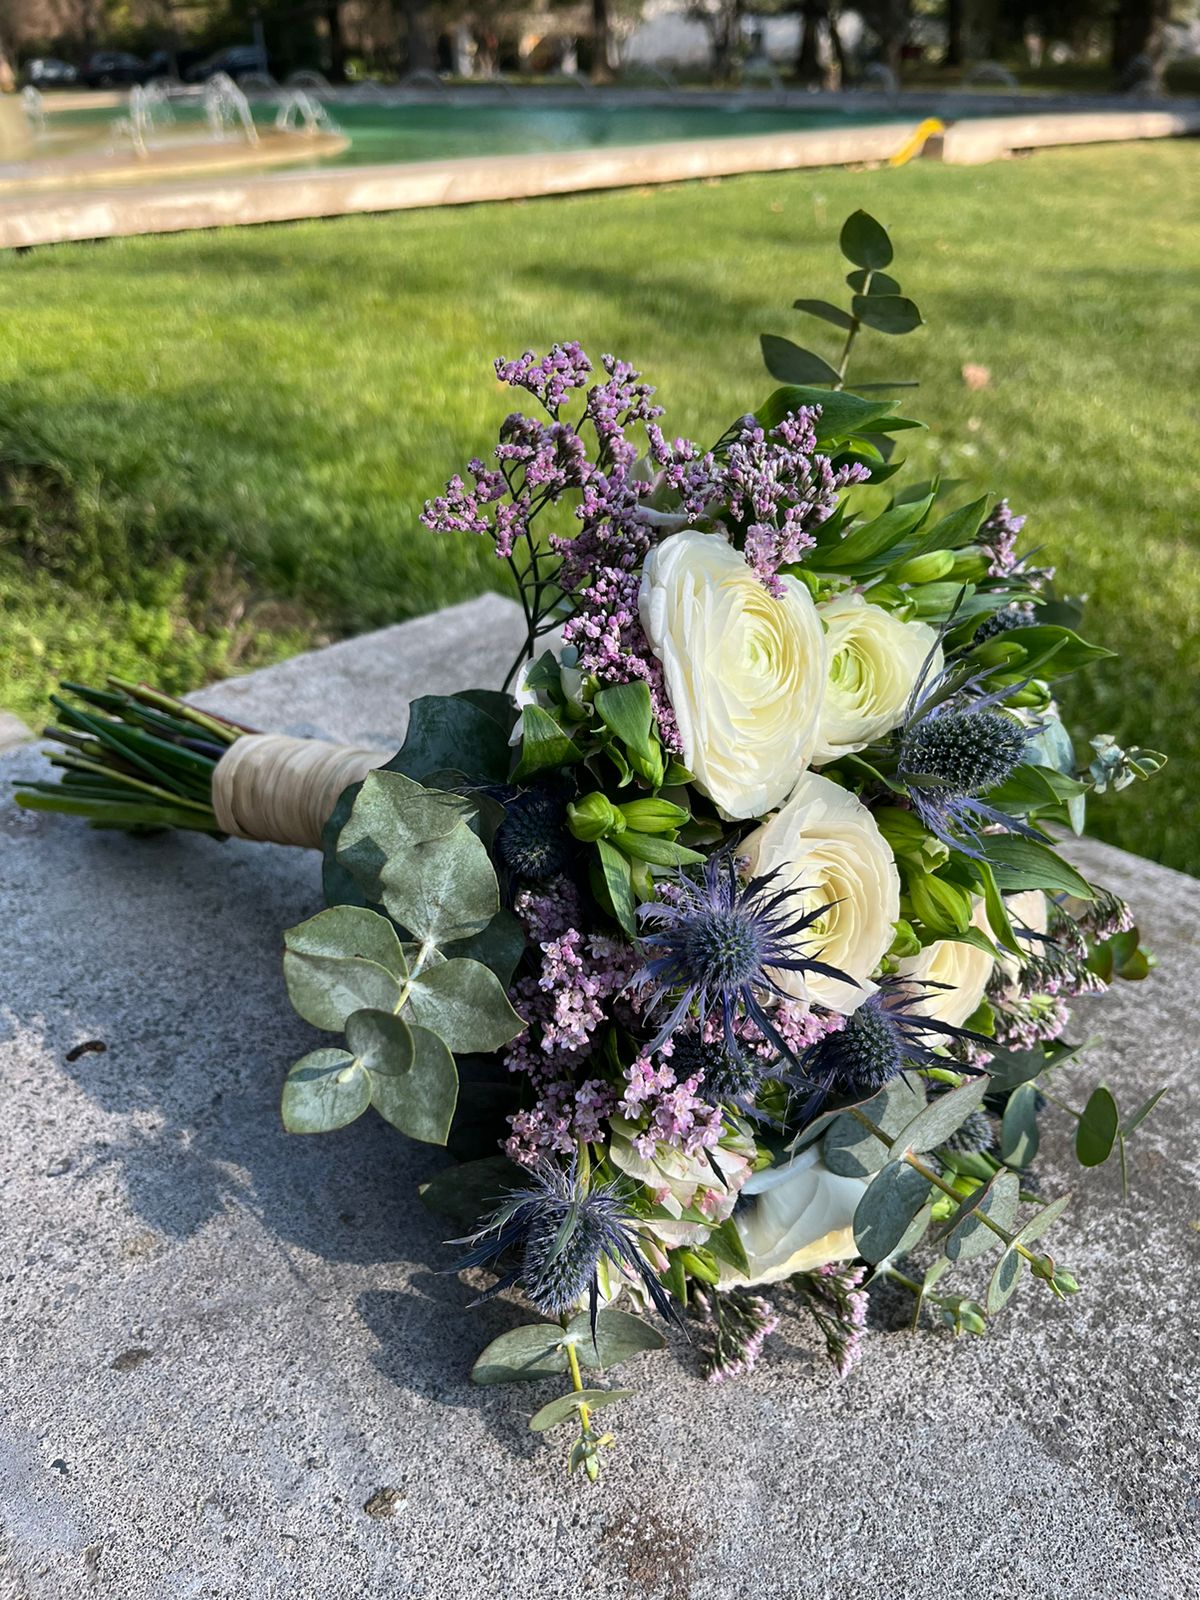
x,y
171,63
237,62
112,69
48,72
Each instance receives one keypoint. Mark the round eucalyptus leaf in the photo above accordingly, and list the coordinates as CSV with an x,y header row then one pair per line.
x,y
1042,1221
852,1150
468,1191
440,888
342,960
934,1124
1098,1126
967,1235
414,1082
324,1090
619,1335
566,1407
1019,1127
888,1210
1003,1282
865,242
887,313
522,1355
465,1004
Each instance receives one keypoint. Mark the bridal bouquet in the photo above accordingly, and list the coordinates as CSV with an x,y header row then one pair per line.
x,y
730,955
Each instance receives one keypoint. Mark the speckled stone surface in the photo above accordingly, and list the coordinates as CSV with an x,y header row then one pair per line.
x,y
221,1343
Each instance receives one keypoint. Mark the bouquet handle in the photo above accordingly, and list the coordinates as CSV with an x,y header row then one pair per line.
x,y
280,789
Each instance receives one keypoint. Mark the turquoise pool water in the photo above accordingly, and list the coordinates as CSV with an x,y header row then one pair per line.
x,y
439,132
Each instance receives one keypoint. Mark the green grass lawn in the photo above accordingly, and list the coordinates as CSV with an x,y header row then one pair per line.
x,y
217,445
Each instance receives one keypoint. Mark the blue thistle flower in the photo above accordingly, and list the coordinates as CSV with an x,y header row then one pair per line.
x,y
955,746
975,1136
559,1229
883,1036
727,1076
532,841
717,943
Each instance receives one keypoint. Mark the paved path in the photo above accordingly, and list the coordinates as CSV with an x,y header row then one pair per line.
x,y
220,1343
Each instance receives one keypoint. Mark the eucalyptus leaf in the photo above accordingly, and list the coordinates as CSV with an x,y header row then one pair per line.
x,y
324,1090
887,313
1042,1221
852,1150
499,946
437,882
376,825
1003,1282
888,1210
865,242
1098,1128
522,1355
966,1235
566,1407
619,1335
465,1004
468,1192
934,1124
414,1082
340,961
453,731
1019,1127
872,283
791,364
826,312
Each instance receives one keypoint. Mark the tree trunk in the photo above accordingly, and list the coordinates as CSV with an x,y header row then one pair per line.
x,y
808,59
953,56
420,50
601,42
337,41
1140,29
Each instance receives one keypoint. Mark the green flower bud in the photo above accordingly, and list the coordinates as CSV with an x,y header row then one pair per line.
x,y
971,1320
999,652
929,568
908,837
594,817
653,816
1065,1283
651,769
969,566
943,907
700,1264
906,942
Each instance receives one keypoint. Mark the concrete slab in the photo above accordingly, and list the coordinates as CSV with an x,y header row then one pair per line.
x,y
221,1344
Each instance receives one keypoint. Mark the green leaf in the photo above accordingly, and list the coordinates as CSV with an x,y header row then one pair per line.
x,y
887,313
469,1191
865,242
499,946
1070,652
826,312
616,877
1019,1127
870,539
566,1407
1008,1068
626,711
522,1355
934,1124
791,364
1026,864
656,850
340,961
1003,1282
872,283
853,1151
954,531
544,744
725,1243
965,1235
997,912
1098,1127
888,1209
414,1083
842,414
1042,1221
324,1090
372,826
453,731
465,1004
619,1335
1143,1111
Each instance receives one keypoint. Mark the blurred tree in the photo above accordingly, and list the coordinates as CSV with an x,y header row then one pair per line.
x,y
1140,36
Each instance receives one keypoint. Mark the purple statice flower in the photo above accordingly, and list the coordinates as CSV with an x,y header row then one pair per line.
x,y
1105,916
550,455
1024,1018
735,1326
834,1297
677,1114
613,407
715,943
549,378
998,539
782,489
694,475
462,509
560,1229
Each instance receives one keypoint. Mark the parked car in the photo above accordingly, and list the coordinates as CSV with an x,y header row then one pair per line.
x,y
237,60
111,69
48,72
171,64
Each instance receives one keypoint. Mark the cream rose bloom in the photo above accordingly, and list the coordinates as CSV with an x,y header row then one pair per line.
x,y
826,846
1027,910
875,660
963,968
744,671
800,1216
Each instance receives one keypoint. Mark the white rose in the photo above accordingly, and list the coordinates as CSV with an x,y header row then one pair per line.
x,y
800,1216
826,846
744,671
875,660
1027,911
962,968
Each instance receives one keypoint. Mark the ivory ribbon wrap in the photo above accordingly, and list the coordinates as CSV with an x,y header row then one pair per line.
x,y
273,787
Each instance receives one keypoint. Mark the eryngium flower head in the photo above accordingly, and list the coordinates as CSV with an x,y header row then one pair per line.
x,y
559,1230
884,1035
974,1135
1020,615
964,752
955,746
716,943
727,1074
531,841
